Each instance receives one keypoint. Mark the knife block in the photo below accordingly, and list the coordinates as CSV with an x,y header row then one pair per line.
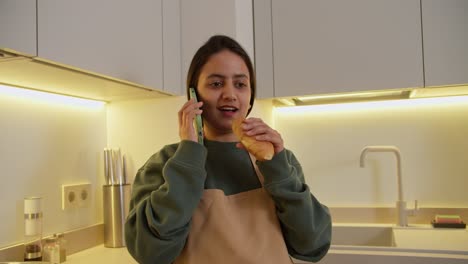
x,y
116,204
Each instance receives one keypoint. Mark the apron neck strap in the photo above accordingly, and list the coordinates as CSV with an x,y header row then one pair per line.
x,y
257,171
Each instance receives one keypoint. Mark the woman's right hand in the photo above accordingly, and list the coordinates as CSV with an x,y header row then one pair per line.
x,y
186,116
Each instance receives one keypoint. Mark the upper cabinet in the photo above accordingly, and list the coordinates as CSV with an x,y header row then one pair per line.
x,y
18,26
332,46
105,49
445,35
120,39
302,47
204,18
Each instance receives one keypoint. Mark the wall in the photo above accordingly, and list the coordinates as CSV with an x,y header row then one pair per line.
x,y
141,128
45,144
431,135
47,141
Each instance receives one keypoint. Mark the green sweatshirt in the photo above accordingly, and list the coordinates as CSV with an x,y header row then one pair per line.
x,y
168,188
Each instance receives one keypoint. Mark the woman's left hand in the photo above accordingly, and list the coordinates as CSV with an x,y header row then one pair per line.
x,y
255,127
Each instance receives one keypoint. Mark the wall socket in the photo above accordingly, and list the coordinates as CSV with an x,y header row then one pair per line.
x,y
76,196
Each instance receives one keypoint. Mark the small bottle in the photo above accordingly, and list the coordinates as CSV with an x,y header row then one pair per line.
x,y
51,250
63,246
33,229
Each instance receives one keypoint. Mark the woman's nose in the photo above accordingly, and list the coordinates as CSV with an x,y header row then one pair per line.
x,y
229,92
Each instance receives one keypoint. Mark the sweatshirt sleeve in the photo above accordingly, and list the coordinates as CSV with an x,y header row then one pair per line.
x,y
165,193
305,223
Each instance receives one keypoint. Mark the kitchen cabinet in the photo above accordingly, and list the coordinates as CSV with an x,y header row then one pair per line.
x,y
148,45
445,39
202,19
18,26
333,46
171,47
119,39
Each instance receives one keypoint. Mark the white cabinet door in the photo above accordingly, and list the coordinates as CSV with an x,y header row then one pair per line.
x,y
331,46
18,26
202,19
116,38
171,47
445,39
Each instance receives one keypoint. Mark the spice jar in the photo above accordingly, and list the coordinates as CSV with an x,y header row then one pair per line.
x,y
51,250
62,244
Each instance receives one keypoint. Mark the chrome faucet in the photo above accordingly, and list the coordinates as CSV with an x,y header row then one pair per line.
x,y
400,203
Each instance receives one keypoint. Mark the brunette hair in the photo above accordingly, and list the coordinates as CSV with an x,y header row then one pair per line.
x,y
214,45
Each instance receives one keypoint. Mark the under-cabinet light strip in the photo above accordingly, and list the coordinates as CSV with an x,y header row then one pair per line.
x,y
49,98
372,105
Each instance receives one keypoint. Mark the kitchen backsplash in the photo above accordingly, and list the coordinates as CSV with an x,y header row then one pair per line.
x,y
327,139
48,141
143,127
431,133
45,145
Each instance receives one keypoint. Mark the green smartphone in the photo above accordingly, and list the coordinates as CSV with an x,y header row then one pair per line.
x,y
198,119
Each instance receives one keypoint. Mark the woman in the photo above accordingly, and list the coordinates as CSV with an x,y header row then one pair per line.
x,y
211,203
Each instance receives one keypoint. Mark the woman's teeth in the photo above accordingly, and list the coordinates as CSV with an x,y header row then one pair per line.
x,y
231,109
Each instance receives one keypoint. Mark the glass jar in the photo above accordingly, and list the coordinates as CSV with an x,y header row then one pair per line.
x,y
51,250
63,246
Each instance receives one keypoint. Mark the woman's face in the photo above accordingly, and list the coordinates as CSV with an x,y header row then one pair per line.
x,y
224,88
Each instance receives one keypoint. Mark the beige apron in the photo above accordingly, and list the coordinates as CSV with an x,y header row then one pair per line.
x,y
240,229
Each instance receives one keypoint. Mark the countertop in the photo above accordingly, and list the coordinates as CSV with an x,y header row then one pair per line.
x,y
101,254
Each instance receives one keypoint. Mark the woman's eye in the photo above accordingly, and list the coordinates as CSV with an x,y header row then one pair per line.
x,y
241,85
216,84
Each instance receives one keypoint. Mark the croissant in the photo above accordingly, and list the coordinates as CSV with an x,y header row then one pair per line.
x,y
262,150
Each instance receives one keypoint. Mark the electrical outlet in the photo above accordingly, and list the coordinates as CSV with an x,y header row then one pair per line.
x,y
76,196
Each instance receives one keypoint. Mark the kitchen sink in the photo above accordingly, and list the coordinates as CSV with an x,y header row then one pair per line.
x,y
423,237
376,236
354,243
431,238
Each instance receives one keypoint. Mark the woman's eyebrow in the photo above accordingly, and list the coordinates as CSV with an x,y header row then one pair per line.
x,y
242,75
215,75
218,75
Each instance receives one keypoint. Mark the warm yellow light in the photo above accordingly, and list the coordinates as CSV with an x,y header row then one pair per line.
x,y
285,102
50,98
364,94
439,91
373,105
